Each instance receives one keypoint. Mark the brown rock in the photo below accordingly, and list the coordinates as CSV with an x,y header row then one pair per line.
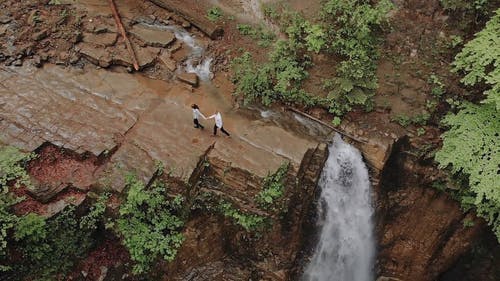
x,y
169,63
145,56
57,206
152,37
40,35
5,19
190,78
205,25
95,55
44,192
101,39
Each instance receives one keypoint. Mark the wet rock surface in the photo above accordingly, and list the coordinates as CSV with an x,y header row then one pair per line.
x,y
152,37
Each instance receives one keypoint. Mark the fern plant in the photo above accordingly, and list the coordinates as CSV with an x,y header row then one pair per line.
x,y
471,146
480,61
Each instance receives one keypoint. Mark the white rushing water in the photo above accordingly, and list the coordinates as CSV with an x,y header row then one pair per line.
x,y
346,246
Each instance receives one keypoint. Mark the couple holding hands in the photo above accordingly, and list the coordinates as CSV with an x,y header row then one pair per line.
x,y
216,115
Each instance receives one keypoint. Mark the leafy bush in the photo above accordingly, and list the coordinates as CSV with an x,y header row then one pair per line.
x,y
12,163
50,247
249,222
350,31
7,221
273,187
265,37
471,145
149,224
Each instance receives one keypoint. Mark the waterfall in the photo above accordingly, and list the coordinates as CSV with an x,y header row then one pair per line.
x,y
346,246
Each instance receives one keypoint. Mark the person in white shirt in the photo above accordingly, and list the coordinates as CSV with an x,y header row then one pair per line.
x,y
196,115
218,123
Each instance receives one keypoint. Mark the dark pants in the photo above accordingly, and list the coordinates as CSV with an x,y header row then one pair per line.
x,y
197,124
221,129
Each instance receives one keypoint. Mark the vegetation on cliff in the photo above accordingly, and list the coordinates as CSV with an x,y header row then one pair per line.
x,y
471,146
346,29
150,224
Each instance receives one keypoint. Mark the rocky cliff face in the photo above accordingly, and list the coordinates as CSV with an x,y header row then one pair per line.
x,y
422,231
217,248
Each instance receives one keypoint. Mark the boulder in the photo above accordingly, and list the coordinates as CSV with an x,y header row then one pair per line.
x,y
153,37
189,78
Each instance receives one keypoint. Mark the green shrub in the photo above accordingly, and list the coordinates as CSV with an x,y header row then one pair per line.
x,y
51,247
7,220
273,188
265,37
350,33
149,224
12,162
249,222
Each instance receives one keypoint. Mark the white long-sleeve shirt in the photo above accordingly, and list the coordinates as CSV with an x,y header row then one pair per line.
x,y
218,119
197,114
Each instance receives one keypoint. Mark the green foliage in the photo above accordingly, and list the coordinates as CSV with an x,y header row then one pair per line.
x,y
420,132
7,219
278,79
51,247
437,86
149,224
405,120
31,226
465,6
12,162
95,214
480,60
265,37
55,2
471,147
214,14
249,222
336,121
468,223
351,34
273,188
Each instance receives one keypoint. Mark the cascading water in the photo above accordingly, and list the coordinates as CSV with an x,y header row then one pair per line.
x,y
346,246
195,63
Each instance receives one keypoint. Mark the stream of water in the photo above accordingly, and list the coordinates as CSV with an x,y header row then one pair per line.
x,y
346,246
196,62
